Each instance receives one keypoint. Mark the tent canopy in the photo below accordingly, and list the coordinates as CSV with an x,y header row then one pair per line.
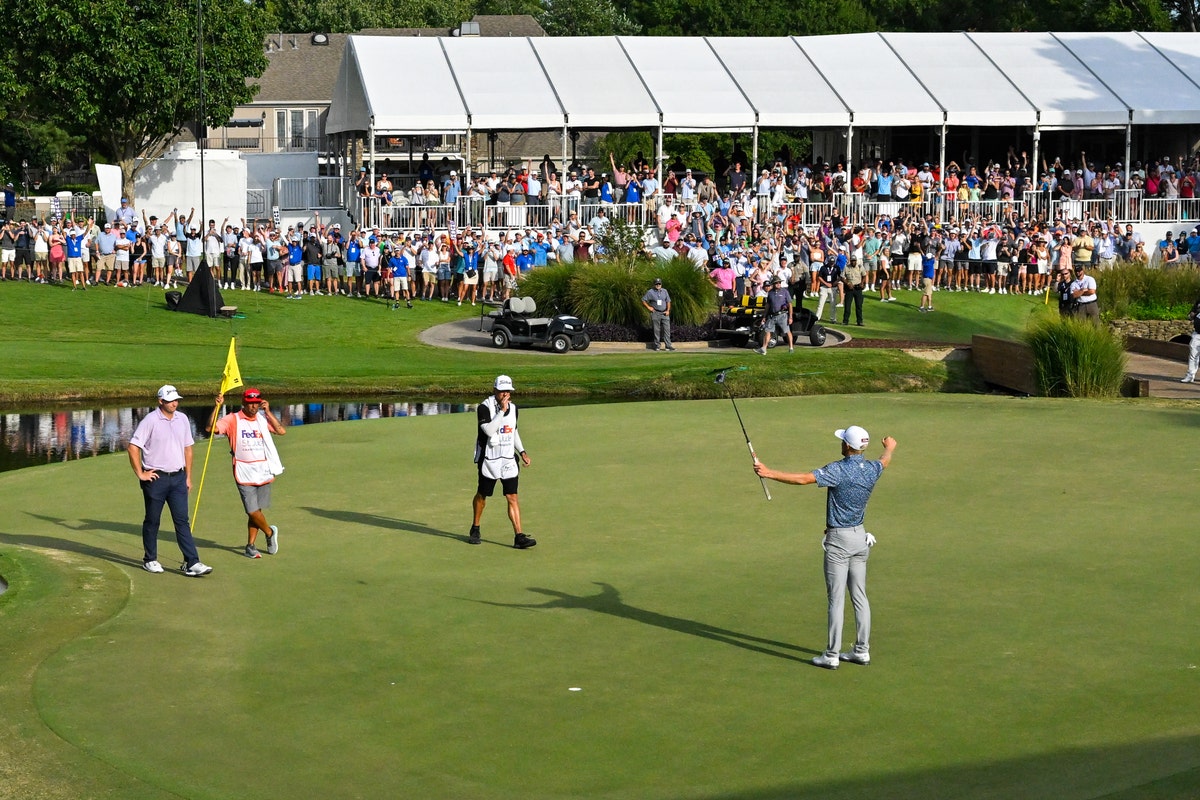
x,y
739,84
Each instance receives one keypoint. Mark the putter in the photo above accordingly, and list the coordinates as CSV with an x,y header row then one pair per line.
x,y
753,456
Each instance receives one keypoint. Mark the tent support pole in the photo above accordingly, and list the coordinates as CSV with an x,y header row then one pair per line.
x,y
658,166
941,200
754,153
562,176
371,189
1037,146
467,165
1128,148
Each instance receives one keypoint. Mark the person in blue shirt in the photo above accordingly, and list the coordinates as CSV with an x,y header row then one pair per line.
x,y
399,266
1193,246
540,250
75,236
846,543
525,260
353,259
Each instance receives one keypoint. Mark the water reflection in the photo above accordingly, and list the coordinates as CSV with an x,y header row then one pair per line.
x,y
57,436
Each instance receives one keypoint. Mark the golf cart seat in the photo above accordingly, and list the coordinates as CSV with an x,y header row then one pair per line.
x,y
529,306
749,306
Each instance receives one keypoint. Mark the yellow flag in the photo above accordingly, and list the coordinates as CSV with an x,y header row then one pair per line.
x,y
232,378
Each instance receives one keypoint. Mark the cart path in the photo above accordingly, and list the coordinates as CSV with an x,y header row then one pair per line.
x,y
465,334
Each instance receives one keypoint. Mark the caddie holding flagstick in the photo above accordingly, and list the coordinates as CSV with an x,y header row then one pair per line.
x,y
255,462
846,543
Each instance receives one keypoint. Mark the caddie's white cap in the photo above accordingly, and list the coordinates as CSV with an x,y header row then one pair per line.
x,y
854,436
504,383
168,393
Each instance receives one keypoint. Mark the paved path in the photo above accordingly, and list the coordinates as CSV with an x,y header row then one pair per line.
x,y
466,335
1163,375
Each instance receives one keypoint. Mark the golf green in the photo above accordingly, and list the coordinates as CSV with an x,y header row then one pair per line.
x,y
1033,594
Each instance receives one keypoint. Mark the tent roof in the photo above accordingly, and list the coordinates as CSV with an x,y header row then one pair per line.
x,y
733,84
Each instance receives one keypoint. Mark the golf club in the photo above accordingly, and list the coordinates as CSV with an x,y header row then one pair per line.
x,y
753,456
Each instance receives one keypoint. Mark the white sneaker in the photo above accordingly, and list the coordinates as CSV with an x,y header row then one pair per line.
x,y
828,662
196,570
152,566
1184,379
855,658
273,541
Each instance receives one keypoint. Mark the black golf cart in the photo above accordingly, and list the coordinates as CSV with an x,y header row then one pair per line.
x,y
743,318
515,324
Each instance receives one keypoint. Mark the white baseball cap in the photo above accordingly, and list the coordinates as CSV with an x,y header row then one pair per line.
x,y
503,383
168,393
855,437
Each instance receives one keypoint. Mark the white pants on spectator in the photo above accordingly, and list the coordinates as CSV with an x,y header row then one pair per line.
x,y
826,294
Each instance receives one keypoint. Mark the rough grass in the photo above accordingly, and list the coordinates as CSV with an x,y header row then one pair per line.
x,y
1021,593
1076,358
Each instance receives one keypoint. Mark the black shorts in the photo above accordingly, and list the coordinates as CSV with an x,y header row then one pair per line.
x,y
24,257
487,486
989,268
371,276
975,266
899,260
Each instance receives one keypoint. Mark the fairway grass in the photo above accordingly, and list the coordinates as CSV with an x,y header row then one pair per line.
x,y
1033,594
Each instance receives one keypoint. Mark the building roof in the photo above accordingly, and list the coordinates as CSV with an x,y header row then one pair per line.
x,y
300,72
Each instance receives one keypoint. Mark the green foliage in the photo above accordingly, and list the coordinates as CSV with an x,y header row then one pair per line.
x,y
700,151
1136,291
611,291
549,285
764,18
608,292
622,242
126,76
1076,358
586,18
42,143
348,16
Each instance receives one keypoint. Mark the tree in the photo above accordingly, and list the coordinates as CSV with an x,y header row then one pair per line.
x,y
586,18
125,75
349,16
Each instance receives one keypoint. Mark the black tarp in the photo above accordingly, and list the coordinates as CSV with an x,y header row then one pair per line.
x,y
202,295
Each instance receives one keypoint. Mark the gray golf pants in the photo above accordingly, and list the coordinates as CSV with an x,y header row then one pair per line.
x,y
846,553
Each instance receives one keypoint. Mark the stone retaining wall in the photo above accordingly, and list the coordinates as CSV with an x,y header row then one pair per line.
x,y
1159,330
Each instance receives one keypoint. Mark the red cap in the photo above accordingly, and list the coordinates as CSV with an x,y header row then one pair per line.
x,y
251,394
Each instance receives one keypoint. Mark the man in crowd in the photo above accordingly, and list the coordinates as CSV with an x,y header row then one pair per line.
x,y
779,316
657,301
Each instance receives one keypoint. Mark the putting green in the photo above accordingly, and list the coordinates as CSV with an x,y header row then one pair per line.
x,y
1033,597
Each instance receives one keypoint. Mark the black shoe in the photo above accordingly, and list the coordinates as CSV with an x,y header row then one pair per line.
x,y
523,542
473,536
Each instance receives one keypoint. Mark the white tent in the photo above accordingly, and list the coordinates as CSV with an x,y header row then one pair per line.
x,y
677,84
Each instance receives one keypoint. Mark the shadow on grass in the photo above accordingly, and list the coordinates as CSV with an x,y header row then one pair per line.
x,y
378,521
608,601
166,537
1158,769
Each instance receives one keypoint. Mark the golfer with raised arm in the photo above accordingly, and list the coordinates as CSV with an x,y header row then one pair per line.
x,y
847,543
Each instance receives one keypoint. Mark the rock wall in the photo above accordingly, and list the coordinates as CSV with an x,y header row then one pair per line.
x,y
1159,330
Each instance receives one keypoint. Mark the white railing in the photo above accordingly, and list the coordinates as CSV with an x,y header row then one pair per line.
x,y
857,209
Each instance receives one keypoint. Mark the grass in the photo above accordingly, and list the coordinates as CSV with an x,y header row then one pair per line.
x,y
121,344
1136,291
1076,358
1021,615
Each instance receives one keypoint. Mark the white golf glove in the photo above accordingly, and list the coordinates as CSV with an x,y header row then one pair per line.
x,y
870,540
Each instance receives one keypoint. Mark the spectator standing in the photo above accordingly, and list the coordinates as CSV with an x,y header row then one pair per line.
x,y
779,316
1083,292
1194,346
657,301
854,279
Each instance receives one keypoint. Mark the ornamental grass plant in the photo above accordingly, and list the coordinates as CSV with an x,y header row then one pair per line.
x,y
1076,358
1138,291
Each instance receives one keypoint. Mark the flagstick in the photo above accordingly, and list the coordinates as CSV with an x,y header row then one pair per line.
x,y
204,472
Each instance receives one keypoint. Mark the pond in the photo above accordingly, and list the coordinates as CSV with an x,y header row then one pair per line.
x,y
43,437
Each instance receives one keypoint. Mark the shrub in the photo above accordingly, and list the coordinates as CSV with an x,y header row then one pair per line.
x,y
1136,291
607,292
549,285
1076,358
